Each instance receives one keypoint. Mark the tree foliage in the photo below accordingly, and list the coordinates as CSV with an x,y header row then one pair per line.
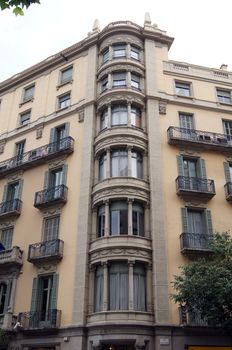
x,y
205,285
17,5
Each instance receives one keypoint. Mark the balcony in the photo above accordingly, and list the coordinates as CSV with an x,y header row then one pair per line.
x,y
191,319
10,208
11,257
48,319
46,251
195,187
228,191
51,196
37,156
191,137
191,243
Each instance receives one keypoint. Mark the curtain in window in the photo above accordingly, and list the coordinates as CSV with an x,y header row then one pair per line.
x,y
139,281
119,115
99,282
196,222
138,219
119,163
118,286
102,166
137,165
119,218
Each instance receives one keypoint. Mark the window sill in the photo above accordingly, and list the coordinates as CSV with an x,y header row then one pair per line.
x,y
185,97
22,126
26,101
224,104
62,109
64,83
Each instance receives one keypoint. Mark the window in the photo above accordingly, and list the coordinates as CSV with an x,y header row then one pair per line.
x,y
135,81
105,56
25,118
55,180
99,285
118,218
10,197
224,96
102,166
119,79
59,138
197,222
3,288
28,93
118,286
191,172
104,84
137,165
66,75
101,221
6,237
119,115
186,121
139,281
138,219
64,101
51,228
104,120
135,117
228,129
119,51
19,149
182,89
135,53
119,163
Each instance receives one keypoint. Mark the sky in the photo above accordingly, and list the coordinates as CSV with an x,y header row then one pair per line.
x,y
201,28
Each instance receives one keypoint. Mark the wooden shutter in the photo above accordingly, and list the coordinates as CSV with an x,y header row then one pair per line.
x,y
46,180
52,135
184,216
208,220
64,174
54,291
66,130
202,169
227,171
180,165
8,293
35,294
20,189
4,197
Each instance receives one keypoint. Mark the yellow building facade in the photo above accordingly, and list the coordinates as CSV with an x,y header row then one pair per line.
x,y
115,169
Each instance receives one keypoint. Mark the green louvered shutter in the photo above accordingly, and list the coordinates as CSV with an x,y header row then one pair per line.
x,y
64,174
66,130
8,293
180,165
52,135
54,291
227,171
4,197
20,189
35,294
46,180
202,169
184,216
208,219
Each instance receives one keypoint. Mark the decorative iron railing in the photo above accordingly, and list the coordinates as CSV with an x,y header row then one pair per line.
x,y
195,184
12,256
40,319
36,156
194,241
50,195
176,135
12,207
191,318
52,249
228,191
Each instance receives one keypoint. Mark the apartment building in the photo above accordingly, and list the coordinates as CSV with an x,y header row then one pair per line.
x,y
115,169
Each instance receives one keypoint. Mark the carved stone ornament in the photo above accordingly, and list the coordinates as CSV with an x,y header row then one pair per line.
x,y
51,212
195,204
121,67
121,191
121,252
162,107
120,141
57,162
123,38
126,97
81,116
190,152
39,133
15,176
46,269
228,159
6,224
2,146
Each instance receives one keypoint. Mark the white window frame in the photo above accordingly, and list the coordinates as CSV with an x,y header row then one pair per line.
x,y
184,89
63,80
64,100
25,92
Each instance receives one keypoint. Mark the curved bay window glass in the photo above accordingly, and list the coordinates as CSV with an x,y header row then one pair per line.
x,y
139,281
102,166
99,280
104,84
119,115
119,79
137,165
101,221
118,218
119,163
3,288
134,52
105,56
119,51
118,286
136,117
135,81
104,120
138,219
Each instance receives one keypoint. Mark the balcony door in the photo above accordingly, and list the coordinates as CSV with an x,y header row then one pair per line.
x,y
45,300
55,182
186,124
19,150
12,193
191,173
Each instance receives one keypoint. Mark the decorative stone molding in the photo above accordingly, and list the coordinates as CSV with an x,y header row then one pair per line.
x,y
81,116
57,162
2,146
190,152
127,97
15,176
46,268
128,66
162,107
195,204
51,212
125,253
5,224
228,158
122,38
39,132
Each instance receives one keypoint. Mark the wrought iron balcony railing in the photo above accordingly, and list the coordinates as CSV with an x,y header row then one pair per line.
x,y
10,208
195,186
228,191
44,251
12,256
194,242
36,156
210,140
191,318
40,319
49,196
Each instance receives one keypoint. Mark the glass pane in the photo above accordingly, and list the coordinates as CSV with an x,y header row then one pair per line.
x,y
66,75
104,120
28,93
115,217
136,117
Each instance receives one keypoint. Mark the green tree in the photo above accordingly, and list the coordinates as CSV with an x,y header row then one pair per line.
x,y
17,5
204,287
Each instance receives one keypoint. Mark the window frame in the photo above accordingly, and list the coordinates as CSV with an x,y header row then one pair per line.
x,y
118,157
223,98
30,87
62,99
135,83
134,49
63,81
52,235
26,121
119,82
183,87
120,52
8,231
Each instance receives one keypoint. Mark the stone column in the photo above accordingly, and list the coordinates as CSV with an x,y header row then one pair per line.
x,y
98,122
128,50
149,288
143,119
105,286
129,114
130,222
128,79
109,81
131,285
109,116
110,53
108,172
129,171
147,221
91,289
107,218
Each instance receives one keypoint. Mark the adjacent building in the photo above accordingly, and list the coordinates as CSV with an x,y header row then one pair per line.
x,y
115,169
